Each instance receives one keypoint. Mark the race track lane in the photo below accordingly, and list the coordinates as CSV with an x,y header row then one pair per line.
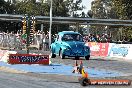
x,y
12,80
33,80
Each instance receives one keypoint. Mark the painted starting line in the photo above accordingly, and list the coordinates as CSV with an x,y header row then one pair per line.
x,y
61,69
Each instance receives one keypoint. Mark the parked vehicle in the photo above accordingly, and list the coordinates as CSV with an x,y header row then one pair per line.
x,y
69,43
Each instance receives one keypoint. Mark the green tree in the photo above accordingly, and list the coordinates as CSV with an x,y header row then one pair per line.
x,y
123,8
26,7
113,9
74,7
6,7
2,5
60,7
103,9
63,8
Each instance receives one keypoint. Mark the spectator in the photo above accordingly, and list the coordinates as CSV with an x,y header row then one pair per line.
x,y
98,38
46,41
125,39
103,38
130,40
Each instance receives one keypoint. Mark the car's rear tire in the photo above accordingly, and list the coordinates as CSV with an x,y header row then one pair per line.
x,y
87,57
62,56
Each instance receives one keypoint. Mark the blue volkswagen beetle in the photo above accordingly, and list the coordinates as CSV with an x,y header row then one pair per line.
x,y
69,43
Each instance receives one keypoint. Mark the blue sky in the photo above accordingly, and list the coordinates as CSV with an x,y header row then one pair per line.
x,y
87,4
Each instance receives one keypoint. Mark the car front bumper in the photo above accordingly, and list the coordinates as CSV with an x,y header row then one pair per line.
x,y
70,53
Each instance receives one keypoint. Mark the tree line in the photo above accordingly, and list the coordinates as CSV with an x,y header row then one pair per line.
x,y
63,8
113,9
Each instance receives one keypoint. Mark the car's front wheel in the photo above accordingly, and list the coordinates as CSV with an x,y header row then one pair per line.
x,y
52,55
87,57
62,56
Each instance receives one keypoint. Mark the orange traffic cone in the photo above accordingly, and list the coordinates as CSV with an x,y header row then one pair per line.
x,y
84,74
76,63
81,70
81,67
75,69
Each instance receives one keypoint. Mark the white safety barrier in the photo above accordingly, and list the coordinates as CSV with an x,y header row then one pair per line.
x,y
123,51
2,52
120,50
6,56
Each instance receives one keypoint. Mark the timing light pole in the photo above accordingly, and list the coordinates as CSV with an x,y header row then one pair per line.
x,y
28,33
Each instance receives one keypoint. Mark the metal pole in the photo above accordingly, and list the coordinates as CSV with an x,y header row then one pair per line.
x,y
121,36
42,36
77,28
28,34
88,28
50,23
42,27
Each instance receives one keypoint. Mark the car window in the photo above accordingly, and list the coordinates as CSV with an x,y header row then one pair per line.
x,y
72,37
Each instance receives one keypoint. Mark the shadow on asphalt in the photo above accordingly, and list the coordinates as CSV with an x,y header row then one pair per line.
x,y
51,65
92,59
59,81
98,59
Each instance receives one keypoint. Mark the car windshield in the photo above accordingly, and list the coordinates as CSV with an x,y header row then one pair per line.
x,y
72,37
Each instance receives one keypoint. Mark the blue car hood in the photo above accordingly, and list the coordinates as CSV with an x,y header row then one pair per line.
x,y
74,44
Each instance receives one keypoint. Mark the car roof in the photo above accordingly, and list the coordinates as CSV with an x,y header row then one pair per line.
x,y
67,32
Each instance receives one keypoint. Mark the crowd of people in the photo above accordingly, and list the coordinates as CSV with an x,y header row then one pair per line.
x,y
97,38
106,38
18,40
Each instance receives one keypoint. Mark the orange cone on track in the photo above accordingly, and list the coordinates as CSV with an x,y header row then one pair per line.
x,y
81,67
76,63
75,69
81,70
84,74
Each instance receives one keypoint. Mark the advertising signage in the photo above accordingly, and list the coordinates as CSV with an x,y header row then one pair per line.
x,y
28,59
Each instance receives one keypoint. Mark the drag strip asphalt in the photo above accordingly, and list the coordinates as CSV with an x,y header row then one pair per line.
x,y
60,69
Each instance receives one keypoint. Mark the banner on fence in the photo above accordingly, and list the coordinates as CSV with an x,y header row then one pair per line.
x,y
111,49
98,49
120,50
28,59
